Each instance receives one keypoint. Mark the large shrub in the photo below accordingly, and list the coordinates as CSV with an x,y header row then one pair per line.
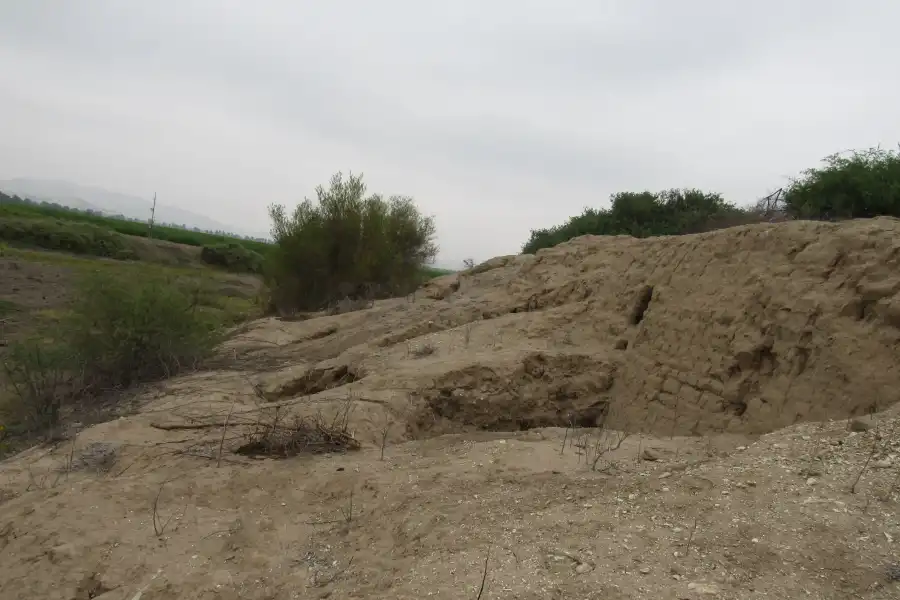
x,y
344,243
120,332
38,376
640,214
862,184
127,332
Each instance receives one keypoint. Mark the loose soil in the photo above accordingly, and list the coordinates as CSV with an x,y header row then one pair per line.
x,y
706,416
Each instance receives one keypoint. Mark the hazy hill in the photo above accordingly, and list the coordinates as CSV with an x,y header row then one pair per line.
x,y
85,197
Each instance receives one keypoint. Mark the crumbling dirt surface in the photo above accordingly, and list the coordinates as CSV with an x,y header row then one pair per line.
x,y
708,416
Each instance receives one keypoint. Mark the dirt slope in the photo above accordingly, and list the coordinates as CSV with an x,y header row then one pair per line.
x,y
587,421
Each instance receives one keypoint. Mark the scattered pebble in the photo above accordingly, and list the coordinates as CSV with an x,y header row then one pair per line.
x,y
709,589
650,454
860,424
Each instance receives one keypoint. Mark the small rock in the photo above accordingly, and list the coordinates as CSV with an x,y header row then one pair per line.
x,y
650,454
709,589
884,463
645,570
811,481
665,475
861,424
63,551
583,568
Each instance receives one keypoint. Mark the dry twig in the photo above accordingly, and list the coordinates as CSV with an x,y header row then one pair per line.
x,y
222,440
484,574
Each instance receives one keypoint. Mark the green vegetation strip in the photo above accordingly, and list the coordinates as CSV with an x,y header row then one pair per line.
x,y
11,207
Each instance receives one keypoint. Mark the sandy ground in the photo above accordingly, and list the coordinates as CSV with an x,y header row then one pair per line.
x,y
707,416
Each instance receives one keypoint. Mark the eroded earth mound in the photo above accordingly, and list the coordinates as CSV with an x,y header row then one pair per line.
x,y
684,417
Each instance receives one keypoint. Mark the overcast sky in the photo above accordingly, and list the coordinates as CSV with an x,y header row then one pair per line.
x,y
497,116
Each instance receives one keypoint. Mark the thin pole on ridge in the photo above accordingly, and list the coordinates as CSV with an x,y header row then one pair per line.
x,y
152,216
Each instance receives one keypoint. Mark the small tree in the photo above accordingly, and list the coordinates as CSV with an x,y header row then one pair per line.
x,y
864,184
346,241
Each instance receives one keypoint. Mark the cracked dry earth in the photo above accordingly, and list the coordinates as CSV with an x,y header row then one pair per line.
x,y
708,416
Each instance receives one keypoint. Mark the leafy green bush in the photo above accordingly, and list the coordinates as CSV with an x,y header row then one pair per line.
x,y
863,184
126,332
640,214
77,238
232,256
120,332
345,243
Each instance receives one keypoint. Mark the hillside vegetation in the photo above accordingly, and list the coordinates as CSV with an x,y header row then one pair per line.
x,y
74,329
14,207
861,184
53,227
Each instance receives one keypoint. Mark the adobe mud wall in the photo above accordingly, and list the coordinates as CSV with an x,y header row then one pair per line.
x,y
746,329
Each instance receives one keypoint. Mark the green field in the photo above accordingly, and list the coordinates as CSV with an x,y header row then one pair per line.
x,y
53,227
432,272
11,208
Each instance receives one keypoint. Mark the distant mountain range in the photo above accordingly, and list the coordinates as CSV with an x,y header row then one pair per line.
x,y
84,197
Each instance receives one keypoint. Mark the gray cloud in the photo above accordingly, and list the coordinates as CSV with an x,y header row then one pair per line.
x,y
498,117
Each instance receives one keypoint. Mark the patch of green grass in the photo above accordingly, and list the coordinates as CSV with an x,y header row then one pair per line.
x,y
217,291
8,307
84,263
65,236
433,272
